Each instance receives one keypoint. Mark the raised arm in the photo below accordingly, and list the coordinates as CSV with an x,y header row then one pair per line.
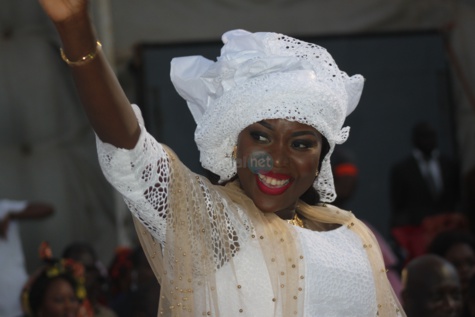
x,y
104,101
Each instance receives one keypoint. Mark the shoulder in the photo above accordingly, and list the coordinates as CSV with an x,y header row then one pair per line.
x,y
325,217
332,209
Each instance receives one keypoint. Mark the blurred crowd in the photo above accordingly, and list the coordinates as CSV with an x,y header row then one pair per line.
x,y
430,250
78,284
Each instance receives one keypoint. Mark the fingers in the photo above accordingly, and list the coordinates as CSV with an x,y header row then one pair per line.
x,y
62,10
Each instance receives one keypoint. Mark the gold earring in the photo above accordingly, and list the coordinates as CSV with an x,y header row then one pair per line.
x,y
316,174
234,154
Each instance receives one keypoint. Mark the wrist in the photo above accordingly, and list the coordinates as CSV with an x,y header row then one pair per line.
x,y
86,59
77,36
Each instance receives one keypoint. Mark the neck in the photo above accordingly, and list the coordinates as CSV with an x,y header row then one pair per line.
x,y
286,213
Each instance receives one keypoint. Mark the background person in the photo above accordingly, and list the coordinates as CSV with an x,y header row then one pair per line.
x,y
13,272
431,288
424,193
95,276
56,289
425,183
457,247
142,296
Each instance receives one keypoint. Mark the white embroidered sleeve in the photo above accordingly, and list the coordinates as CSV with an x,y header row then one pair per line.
x,y
142,176
145,178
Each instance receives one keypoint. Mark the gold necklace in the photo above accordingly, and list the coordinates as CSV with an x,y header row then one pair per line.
x,y
296,221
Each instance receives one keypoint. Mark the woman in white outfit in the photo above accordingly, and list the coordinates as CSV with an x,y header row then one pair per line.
x,y
269,112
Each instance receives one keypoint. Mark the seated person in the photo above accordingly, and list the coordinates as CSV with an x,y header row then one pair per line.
x,y
431,288
56,289
13,274
95,275
457,247
141,298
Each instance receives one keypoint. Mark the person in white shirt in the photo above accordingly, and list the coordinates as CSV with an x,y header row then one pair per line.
x,y
13,273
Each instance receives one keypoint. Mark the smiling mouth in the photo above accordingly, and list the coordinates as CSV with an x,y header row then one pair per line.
x,y
272,186
273,182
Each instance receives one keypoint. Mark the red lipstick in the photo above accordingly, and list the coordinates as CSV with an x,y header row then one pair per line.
x,y
273,190
276,175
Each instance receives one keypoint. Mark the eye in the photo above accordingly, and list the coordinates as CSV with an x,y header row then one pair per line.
x,y
302,144
260,137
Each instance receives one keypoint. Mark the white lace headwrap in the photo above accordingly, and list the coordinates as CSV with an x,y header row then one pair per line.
x,y
265,76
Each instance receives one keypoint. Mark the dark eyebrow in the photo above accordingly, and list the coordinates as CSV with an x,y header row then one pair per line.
x,y
300,133
295,134
266,125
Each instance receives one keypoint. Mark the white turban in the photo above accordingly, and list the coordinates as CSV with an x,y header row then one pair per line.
x,y
263,76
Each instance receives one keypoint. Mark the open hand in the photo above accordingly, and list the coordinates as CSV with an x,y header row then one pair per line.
x,y
62,10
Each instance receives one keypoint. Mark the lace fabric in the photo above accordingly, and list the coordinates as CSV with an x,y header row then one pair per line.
x,y
337,267
261,76
213,251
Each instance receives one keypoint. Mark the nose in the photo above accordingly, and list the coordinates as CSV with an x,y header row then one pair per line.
x,y
280,155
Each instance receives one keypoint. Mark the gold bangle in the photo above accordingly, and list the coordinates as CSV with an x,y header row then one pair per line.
x,y
83,60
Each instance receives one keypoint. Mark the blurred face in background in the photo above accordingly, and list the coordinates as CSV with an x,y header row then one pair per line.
x,y
59,300
432,290
462,256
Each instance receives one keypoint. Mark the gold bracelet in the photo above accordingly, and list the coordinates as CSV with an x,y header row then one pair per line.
x,y
83,60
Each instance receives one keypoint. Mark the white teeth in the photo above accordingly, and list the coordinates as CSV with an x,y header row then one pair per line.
x,y
269,181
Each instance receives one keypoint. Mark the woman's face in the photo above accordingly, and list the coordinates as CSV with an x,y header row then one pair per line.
x,y
462,256
59,300
276,163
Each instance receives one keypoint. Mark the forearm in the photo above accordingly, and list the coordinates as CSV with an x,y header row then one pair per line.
x,y
104,101
33,211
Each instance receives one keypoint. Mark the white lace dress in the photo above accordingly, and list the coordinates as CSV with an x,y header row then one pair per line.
x,y
338,275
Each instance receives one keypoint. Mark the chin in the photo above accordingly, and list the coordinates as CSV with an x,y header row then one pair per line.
x,y
272,204
267,208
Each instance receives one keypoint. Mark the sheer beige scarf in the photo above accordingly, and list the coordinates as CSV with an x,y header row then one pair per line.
x,y
199,241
